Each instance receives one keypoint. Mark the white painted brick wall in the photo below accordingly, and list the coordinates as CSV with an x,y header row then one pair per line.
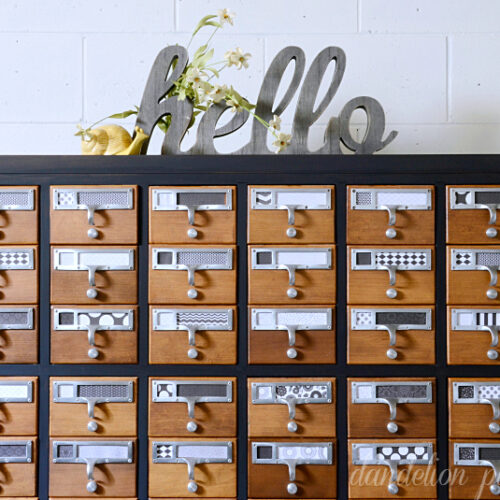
x,y
433,64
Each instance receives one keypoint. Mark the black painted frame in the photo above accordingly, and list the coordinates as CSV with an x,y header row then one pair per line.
x,y
241,171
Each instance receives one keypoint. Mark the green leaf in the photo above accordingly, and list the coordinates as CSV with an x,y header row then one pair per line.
x,y
200,51
213,70
203,22
214,23
203,59
124,114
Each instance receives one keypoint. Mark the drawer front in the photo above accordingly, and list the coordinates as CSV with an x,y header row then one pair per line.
x,y
201,275
19,334
19,275
189,407
19,214
372,473
391,408
299,335
97,215
286,468
183,335
213,472
473,335
397,275
96,406
300,275
298,407
191,214
472,215
19,406
291,214
97,334
474,410
18,459
383,335
400,215
94,275
112,468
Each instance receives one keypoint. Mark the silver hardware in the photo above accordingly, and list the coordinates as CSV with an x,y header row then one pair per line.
x,y
491,293
16,452
393,489
17,199
16,391
16,258
191,200
291,293
487,198
391,233
92,426
495,489
392,427
291,353
192,233
479,455
292,426
192,293
492,354
494,428
471,259
391,293
91,293
192,487
491,232
391,353
16,318
92,486
192,426
291,232
291,488
93,233
93,199
192,353
93,353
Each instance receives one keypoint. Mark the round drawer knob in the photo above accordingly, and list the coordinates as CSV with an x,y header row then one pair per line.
x,y
292,426
391,353
492,293
492,354
291,353
192,233
291,488
192,293
192,353
391,233
392,293
92,426
393,489
495,489
93,353
491,232
93,233
392,427
291,293
91,293
494,428
192,487
192,426
291,232
91,486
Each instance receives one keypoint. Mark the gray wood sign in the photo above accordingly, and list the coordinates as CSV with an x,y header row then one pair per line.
x,y
171,62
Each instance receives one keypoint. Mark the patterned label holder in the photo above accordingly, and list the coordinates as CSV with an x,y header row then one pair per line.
x,y
17,199
291,394
192,392
192,321
92,453
16,452
486,393
93,320
392,454
391,393
192,453
16,258
391,320
292,455
16,318
92,393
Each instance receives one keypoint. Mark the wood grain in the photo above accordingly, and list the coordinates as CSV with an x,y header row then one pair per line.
x,y
20,286
313,420
368,227
113,419
20,346
113,480
369,287
415,420
20,226
69,227
113,287
20,419
213,226
213,419
170,480
19,479
313,226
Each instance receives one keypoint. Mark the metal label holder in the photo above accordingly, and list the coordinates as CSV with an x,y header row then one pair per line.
x,y
28,204
9,390
16,259
28,325
26,459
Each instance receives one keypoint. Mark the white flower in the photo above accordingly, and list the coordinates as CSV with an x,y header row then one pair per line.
x,y
204,90
195,76
218,93
235,105
225,16
282,141
237,57
275,123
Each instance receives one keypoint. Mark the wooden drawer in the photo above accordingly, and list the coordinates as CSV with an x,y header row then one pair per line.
x,y
214,472
291,275
19,334
97,334
19,215
370,475
299,335
187,275
97,215
89,275
291,407
471,470
472,275
312,470
391,407
390,275
18,406
473,335
187,406
384,215
185,335
474,407
192,214
383,335
19,275
19,474
93,406
68,469
291,214
472,215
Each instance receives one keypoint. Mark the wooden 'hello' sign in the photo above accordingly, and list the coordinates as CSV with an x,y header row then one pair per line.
x,y
171,62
